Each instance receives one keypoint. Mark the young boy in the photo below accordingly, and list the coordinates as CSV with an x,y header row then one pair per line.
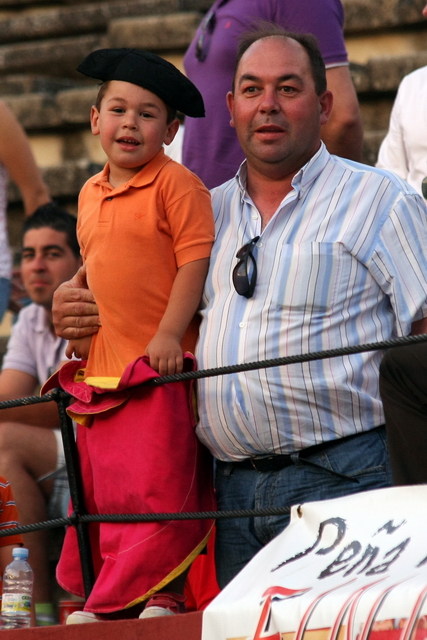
x,y
145,229
8,519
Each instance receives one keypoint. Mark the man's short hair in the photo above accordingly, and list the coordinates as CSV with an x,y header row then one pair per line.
x,y
262,29
55,217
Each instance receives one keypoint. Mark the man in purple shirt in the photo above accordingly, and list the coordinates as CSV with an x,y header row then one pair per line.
x,y
210,147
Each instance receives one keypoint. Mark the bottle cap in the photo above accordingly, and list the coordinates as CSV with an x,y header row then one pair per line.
x,y
20,552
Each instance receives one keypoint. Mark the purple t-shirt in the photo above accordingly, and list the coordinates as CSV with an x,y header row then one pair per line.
x,y
210,147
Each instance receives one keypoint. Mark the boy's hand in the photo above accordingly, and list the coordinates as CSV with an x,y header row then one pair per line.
x,y
79,347
165,354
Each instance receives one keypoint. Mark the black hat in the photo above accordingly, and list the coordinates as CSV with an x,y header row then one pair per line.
x,y
149,71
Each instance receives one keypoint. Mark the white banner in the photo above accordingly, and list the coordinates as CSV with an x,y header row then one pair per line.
x,y
347,569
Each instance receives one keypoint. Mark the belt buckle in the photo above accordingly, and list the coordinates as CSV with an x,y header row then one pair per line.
x,y
254,462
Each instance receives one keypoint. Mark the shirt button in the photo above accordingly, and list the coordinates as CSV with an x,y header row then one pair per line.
x,y
254,216
242,324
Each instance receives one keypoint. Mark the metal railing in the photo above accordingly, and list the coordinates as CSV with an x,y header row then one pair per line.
x,y
79,517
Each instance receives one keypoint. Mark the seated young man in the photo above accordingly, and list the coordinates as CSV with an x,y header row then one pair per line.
x,y
30,440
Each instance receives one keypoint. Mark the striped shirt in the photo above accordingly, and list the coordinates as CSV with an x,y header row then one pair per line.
x,y
342,262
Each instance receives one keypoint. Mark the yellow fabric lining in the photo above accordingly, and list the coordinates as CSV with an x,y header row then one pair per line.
x,y
103,382
173,574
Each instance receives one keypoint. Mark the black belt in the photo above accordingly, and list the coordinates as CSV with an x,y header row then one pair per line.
x,y
277,462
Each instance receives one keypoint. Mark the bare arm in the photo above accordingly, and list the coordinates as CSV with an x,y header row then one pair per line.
x,y
75,314
164,349
18,159
343,134
19,384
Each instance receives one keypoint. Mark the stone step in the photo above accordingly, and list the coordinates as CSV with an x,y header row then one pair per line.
x,y
59,21
64,181
384,73
60,56
168,31
57,57
361,15
372,15
371,145
174,31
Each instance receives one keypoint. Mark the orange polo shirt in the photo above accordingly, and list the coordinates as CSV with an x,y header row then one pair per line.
x,y
133,239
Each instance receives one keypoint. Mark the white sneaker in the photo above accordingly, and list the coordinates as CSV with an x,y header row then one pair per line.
x,y
82,617
155,612
163,603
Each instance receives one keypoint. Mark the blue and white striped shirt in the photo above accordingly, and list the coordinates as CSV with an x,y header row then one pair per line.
x,y
343,261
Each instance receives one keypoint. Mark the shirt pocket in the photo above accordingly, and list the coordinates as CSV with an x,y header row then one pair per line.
x,y
310,277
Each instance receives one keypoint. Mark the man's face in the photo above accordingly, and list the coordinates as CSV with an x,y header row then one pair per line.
x,y
47,262
275,109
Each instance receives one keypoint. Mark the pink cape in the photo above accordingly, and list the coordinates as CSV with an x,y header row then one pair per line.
x,y
140,454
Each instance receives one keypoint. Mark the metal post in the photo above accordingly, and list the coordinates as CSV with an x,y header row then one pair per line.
x,y
76,490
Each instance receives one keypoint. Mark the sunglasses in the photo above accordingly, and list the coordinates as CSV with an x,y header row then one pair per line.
x,y
243,282
208,25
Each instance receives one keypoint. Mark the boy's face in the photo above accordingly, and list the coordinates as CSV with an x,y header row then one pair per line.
x,y
132,125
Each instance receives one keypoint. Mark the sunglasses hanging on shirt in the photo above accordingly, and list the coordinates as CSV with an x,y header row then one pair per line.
x,y
245,272
207,26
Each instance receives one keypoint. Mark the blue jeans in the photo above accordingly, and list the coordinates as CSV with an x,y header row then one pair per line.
x,y
364,458
4,296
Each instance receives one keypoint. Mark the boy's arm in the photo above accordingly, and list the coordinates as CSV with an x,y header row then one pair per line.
x,y
164,350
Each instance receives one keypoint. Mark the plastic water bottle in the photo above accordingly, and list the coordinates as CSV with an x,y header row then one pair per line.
x,y
17,591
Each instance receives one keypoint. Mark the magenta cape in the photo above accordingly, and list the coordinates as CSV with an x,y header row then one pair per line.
x,y
140,454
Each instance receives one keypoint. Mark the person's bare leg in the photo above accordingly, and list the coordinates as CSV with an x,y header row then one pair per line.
x,y
27,453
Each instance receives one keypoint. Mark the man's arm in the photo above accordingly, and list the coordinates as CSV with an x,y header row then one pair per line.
x,y
343,134
419,327
75,314
19,161
19,384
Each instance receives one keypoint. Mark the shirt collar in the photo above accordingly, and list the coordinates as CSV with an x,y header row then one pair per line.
x,y
144,177
301,181
40,319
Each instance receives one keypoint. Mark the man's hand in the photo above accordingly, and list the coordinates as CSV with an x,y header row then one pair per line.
x,y
74,312
79,348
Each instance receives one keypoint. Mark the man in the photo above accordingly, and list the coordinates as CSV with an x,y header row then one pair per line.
x,y
404,149
403,387
210,146
311,252
30,440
